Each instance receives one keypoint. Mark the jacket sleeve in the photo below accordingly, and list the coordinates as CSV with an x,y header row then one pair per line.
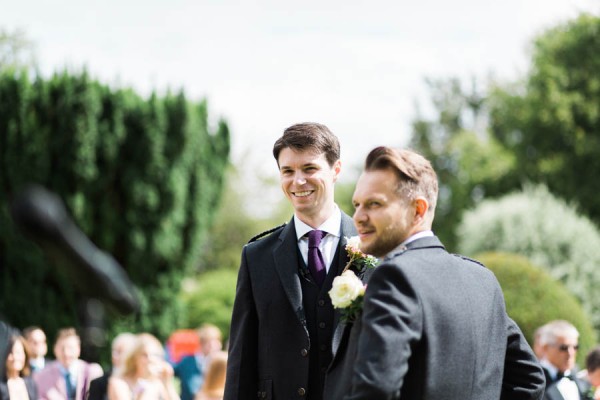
x,y
392,323
523,375
242,364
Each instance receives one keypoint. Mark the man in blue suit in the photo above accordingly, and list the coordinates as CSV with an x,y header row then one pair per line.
x,y
191,369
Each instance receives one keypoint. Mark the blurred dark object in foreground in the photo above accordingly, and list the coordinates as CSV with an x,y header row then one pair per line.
x,y
41,215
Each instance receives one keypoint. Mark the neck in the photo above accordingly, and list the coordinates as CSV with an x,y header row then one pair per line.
x,y
12,374
317,219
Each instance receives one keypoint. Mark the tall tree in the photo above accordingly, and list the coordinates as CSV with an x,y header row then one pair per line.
x,y
552,124
142,179
16,50
470,164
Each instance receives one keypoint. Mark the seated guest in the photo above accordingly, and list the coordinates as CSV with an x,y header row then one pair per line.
x,y
68,377
145,374
213,386
17,382
121,344
559,341
191,369
592,372
37,348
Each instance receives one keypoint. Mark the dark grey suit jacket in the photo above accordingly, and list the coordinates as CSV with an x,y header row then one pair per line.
x,y
269,343
434,327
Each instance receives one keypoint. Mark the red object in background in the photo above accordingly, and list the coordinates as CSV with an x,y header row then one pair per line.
x,y
181,343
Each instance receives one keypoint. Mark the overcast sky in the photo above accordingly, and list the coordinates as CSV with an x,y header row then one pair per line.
x,y
356,66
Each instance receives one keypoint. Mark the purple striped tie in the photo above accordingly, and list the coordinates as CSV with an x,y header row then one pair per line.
x,y
316,264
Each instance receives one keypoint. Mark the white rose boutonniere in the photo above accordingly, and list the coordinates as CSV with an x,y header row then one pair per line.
x,y
348,290
347,293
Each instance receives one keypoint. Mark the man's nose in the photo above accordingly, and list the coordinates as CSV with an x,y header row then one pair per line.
x,y
299,178
359,215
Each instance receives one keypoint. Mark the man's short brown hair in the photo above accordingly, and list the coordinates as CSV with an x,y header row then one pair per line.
x,y
309,136
416,177
65,333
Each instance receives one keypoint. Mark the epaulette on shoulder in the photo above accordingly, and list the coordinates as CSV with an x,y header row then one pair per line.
x,y
468,259
265,233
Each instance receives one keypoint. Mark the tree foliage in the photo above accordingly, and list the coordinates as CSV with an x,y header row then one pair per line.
x,y
552,125
209,299
544,128
16,50
534,298
141,177
470,165
548,231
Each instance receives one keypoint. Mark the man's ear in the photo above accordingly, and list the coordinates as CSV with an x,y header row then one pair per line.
x,y
421,207
337,167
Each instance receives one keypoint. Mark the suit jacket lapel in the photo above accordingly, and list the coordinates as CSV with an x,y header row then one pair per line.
x,y
347,230
285,256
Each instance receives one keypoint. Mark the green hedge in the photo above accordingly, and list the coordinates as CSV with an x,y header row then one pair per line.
x,y
545,229
534,298
209,299
140,176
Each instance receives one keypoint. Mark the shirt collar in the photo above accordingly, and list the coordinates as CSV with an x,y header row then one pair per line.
x,y
72,369
402,246
332,225
552,370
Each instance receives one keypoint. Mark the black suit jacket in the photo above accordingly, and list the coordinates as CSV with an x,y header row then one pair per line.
x,y
269,341
434,327
552,393
99,387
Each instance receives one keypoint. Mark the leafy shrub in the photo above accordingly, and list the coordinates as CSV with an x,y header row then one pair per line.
x,y
546,230
209,299
534,298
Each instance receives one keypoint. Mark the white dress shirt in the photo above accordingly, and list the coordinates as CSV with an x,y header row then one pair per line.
x,y
329,244
567,387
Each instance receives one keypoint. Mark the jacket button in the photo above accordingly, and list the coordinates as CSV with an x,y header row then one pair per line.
x,y
303,352
301,391
321,302
322,325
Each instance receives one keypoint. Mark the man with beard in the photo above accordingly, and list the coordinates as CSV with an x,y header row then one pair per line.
x,y
434,324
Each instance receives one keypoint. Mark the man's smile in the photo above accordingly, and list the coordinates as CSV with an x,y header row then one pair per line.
x,y
303,194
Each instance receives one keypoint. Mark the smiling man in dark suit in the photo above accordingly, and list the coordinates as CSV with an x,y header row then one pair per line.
x,y
434,325
283,320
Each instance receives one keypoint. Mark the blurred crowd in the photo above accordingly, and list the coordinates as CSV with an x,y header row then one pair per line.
x,y
142,368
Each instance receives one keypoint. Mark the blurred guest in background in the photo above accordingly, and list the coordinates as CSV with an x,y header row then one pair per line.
x,y
37,348
145,374
191,369
17,382
68,377
121,345
214,381
560,341
592,372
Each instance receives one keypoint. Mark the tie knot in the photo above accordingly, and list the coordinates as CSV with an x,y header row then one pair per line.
x,y
315,237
